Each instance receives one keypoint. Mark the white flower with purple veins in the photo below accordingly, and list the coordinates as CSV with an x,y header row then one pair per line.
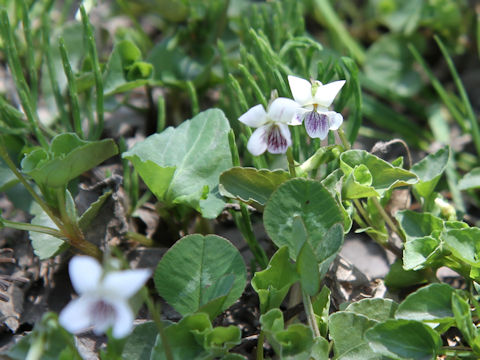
x,y
103,300
272,131
314,100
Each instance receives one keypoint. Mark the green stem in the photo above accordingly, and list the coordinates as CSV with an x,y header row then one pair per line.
x,y
344,139
312,321
72,89
192,92
92,48
387,218
463,94
155,312
324,11
291,163
31,227
260,341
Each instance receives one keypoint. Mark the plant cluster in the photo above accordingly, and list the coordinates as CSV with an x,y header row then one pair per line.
x,y
232,66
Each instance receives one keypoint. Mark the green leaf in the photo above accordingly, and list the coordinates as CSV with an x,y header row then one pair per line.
x,y
182,165
93,210
398,277
368,175
375,309
321,309
310,201
421,252
250,185
404,339
221,339
140,342
418,225
429,170
470,180
400,16
388,65
347,330
430,303
183,338
124,71
199,269
7,177
307,265
45,246
463,318
273,283
67,158
464,244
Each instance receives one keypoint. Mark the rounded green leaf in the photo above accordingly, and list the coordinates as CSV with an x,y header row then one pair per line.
x,y
404,339
198,270
464,244
429,170
432,302
309,201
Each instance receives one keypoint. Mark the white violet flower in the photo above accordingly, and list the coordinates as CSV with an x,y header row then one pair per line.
x,y
314,100
272,131
103,300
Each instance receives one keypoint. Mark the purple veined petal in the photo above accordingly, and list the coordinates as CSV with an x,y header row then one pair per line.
x,y
254,117
257,144
85,273
123,323
326,93
76,317
104,314
316,124
301,90
124,284
282,110
334,119
278,139
299,116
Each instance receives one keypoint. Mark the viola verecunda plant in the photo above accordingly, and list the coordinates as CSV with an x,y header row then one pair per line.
x,y
103,300
272,132
314,99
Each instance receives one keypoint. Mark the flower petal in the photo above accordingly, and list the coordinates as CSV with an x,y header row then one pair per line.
x,y
316,125
124,319
334,119
326,93
257,144
85,273
278,139
254,117
75,317
282,110
126,283
299,116
301,90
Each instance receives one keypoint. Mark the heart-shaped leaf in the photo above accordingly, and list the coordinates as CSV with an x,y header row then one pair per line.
x,y
182,165
250,185
470,180
312,203
197,271
375,309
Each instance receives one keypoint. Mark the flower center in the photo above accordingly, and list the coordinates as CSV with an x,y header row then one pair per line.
x,y
103,312
276,142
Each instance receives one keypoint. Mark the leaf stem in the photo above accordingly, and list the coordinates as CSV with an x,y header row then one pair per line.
x,y
387,218
260,340
344,139
31,227
312,321
291,163
155,312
